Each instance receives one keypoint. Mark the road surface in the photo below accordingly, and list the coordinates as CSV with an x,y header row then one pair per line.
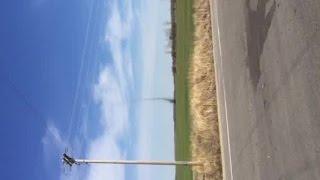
x,y
267,57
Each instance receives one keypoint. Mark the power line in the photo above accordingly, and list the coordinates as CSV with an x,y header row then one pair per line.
x,y
77,91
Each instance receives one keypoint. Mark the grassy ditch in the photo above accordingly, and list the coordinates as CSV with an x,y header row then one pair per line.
x,y
205,140
196,120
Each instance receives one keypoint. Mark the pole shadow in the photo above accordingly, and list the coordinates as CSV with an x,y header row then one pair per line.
x,y
258,25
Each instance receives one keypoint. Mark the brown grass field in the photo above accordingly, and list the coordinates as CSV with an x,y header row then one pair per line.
x,y
205,141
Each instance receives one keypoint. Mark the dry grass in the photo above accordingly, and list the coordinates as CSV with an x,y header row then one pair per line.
x,y
205,143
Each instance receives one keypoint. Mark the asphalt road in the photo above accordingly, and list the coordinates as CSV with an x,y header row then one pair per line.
x,y
267,57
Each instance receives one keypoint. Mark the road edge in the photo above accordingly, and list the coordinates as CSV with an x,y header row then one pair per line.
x,y
220,93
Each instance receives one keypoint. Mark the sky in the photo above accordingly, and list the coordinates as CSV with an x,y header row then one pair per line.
x,y
78,74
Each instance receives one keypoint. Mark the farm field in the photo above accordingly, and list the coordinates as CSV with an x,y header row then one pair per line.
x,y
184,46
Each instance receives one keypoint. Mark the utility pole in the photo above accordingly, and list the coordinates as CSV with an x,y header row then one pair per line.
x,y
68,160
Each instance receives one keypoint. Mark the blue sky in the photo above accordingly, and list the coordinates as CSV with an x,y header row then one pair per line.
x,y
76,74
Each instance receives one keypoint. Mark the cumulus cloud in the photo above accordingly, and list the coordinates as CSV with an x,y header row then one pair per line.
x,y
105,147
118,31
111,94
113,103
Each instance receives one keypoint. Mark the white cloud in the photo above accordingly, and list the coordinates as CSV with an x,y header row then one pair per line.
x,y
52,137
111,93
53,145
118,31
113,103
119,27
105,147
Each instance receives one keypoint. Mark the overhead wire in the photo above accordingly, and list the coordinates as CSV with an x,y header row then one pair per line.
x,y
80,74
